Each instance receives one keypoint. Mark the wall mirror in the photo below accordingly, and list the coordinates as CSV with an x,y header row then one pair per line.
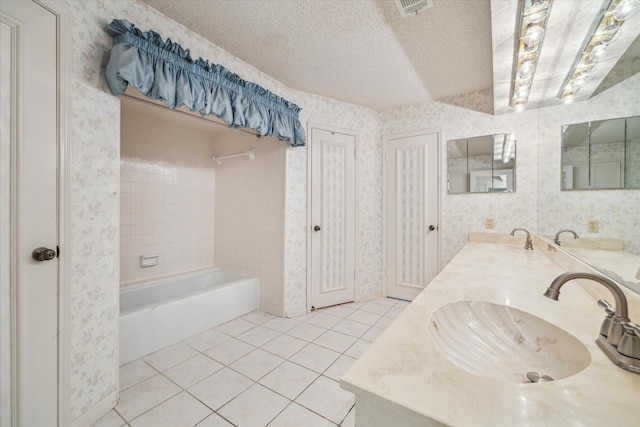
x,y
600,155
482,164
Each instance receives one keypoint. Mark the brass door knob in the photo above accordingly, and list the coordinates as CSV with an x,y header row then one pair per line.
x,y
43,254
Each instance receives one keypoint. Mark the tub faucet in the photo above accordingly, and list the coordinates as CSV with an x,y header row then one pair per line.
x,y
557,239
527,244
622,340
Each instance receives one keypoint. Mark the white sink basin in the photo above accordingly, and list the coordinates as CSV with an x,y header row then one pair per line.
x,y
504,343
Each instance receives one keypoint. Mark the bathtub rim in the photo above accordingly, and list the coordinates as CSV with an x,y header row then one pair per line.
x,y
149,283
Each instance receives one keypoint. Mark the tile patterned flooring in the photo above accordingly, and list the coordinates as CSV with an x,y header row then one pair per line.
x,y
254,371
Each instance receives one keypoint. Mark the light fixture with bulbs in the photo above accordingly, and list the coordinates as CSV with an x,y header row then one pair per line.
x,y
604,31
530,29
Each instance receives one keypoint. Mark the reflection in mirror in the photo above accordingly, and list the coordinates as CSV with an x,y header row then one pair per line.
x,y
601,155
482,164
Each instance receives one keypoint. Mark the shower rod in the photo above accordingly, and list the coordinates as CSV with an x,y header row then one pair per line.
x,y
194,116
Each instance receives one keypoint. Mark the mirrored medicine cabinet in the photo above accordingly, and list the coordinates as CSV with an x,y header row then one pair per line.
x,y
482,164
601,155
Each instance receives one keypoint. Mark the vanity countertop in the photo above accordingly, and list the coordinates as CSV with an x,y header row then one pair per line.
x,y
404,372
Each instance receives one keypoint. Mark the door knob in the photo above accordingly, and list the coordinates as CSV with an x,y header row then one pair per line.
x,y
432,227
43,254
317,228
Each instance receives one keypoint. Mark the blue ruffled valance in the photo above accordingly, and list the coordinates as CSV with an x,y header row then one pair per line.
x,y
164,70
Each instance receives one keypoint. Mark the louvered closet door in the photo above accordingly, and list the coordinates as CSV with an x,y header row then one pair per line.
x,y
411,205
332,218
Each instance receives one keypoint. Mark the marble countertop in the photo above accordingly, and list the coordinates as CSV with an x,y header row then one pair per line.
x,y
403,370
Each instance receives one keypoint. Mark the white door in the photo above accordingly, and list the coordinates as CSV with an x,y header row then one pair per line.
x,y
411,213
332,218
29,212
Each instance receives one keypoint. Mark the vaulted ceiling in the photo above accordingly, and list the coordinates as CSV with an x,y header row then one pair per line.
x,y
362,51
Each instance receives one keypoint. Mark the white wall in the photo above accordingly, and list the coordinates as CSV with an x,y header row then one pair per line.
x,y
249,215
463,213
617,211
95,160
167,191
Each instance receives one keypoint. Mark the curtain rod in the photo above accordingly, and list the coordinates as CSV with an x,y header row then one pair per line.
x,y
148,102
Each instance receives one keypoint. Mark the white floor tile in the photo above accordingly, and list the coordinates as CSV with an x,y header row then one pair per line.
x,y
305,317
255,407
384,322
181,410
284,346
372,334
110,419
289,379
259,317
338,311
170,356
350,419
323,320
339,367
206,340
256,364
350,327
219,388
375,308
235,327
281,324
394,312
193,370
315,357
354,305
364,317
306,331
335,341
143,396
214,420
229,351
385,301
297,416
358,348
134,372
326,398
258,336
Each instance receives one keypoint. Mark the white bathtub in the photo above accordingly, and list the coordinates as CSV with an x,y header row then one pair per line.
x,y
156,314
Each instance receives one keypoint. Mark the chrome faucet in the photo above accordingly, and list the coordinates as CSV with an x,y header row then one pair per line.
x,y
557,239
527,244
619,339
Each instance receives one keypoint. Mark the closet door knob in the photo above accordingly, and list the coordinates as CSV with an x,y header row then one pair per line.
x,y
317,228
432,227
43,254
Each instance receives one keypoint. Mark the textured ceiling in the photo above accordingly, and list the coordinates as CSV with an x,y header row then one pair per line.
x,y
363,52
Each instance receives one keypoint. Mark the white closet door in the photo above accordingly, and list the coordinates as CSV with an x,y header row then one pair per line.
x,y
332,218
29,195
411,214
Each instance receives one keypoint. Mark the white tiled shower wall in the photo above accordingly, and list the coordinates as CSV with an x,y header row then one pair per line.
x,y
167,186
249,214
165,210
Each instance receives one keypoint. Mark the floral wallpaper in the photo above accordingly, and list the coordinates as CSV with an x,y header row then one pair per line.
x,y
462,213
537,205
95,156
615,210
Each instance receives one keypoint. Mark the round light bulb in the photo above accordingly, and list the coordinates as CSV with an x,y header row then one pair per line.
x,y
538,11
625,9
579,82
533,35
526,70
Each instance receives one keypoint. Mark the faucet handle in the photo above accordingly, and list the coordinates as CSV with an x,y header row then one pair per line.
x,y
631,328
630,342
608,308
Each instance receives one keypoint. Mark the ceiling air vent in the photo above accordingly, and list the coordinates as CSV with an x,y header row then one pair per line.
x,y
412,7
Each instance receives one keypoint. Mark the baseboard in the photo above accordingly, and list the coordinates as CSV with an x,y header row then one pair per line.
x,y
297,311
94,413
